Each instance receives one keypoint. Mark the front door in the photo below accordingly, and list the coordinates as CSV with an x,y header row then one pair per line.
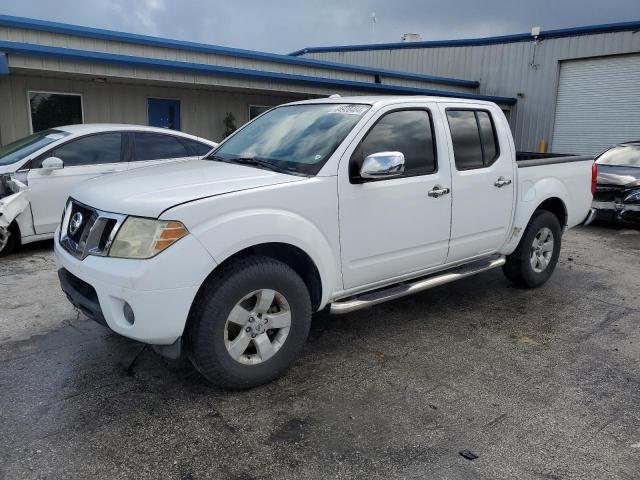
x,y
164,113
482,180
394,227
83,158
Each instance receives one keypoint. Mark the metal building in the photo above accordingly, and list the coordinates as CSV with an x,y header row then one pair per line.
x,y
53,74
577,89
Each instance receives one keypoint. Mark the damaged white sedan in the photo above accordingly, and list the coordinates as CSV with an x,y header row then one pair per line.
x,y
37,172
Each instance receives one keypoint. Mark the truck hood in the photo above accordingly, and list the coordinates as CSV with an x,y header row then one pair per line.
x,y
149,191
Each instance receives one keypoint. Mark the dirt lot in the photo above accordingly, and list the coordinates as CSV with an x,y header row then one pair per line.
x,y
538,384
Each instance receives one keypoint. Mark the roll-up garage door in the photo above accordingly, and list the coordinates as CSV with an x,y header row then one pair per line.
x,y
598,104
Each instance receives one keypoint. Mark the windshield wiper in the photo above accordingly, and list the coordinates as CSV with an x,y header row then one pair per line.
x,y
255,162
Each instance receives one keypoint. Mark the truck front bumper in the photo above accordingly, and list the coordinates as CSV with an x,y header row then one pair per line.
x,y
146,300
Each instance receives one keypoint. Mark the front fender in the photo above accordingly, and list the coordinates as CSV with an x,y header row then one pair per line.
x,y
531,194
228,234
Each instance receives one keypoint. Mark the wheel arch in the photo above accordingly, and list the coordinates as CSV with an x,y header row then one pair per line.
x,y
552,203
556,206
291,255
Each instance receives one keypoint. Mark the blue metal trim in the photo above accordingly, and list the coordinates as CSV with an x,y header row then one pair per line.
x,y
469,42
4,66
75,30
198,68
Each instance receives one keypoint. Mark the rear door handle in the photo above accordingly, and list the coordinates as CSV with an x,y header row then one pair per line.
x,y
438,191
502,182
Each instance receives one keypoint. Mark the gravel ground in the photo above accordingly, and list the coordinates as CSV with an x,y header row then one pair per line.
x,y
537,383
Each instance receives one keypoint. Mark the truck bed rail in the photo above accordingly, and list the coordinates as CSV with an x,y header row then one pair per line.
x,y
534,159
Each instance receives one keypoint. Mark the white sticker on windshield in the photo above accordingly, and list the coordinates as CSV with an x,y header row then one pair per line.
x,y
54,136
351,109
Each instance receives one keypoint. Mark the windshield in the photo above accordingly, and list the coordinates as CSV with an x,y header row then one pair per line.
x,y
624,155
16,151
294,138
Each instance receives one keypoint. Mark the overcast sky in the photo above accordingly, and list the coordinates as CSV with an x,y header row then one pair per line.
x,y
287,25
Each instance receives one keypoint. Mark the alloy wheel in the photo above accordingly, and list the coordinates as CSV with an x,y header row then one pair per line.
x,y
541,250
257,327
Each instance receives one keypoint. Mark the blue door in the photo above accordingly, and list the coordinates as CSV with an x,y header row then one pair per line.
x,y
164,113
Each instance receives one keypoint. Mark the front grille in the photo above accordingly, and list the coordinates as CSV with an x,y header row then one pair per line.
x,y
88,231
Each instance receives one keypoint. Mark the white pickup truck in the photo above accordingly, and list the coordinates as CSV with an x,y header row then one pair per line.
x,y
340,202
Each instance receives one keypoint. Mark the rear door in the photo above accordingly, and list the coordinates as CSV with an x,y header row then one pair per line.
x,y
84,158
482,179
155,148
394,227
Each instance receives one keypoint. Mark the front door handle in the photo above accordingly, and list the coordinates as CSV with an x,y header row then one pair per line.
x,y
502,182
438,191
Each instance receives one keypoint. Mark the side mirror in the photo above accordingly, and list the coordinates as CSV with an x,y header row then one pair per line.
x,y
52,163
382,165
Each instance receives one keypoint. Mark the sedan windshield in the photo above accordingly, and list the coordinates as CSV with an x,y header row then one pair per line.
x,y
623,155
16,151
295,139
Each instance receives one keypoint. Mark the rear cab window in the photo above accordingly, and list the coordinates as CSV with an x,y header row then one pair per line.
x,y
474,138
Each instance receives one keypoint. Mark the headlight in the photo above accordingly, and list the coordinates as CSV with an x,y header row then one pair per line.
x,y
633,197
145,237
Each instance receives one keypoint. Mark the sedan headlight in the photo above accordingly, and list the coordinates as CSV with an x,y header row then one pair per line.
x,y
146,237
633,197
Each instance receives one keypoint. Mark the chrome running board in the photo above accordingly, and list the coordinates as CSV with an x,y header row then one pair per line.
x,y
403,289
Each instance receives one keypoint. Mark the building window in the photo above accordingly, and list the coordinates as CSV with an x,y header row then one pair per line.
x,y
51,109
255,110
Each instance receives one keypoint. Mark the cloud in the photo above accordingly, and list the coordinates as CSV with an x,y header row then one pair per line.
x,y
286,25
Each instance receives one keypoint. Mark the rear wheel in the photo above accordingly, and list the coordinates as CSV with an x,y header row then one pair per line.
x,y
535,259
9,239
249,323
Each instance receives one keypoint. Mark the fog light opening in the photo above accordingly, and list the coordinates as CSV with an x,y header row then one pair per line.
x,y
128,313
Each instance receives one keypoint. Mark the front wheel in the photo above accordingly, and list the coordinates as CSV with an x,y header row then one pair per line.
x,y
535,259
249,323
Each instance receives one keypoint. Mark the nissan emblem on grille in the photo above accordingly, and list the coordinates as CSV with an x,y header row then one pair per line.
x,y
88,231
75,223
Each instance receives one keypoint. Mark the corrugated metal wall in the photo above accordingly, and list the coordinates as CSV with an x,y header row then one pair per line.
x,y
507,69
598,104
202,110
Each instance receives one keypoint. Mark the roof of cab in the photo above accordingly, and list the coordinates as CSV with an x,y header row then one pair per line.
x,y
381,100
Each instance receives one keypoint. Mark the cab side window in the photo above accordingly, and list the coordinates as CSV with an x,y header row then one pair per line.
x,y
474,138
406,131
90,150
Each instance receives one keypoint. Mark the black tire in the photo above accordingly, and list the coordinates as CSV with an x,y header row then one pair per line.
x,y
205,336
518,268
13,241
